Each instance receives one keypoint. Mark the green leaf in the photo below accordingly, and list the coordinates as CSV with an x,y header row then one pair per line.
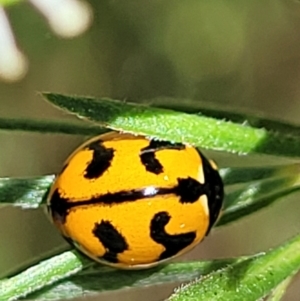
x,y
224,112
45,273
255,196
259,275
26,192
170,125
248,280
237,175
252,205
99,278
50,126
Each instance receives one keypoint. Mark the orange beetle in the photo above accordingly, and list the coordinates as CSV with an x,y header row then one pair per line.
x,y
130,202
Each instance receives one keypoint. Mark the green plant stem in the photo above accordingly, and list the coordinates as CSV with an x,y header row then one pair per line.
x,y
50,126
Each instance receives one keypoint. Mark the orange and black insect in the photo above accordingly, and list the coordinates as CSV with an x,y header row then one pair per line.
x,y
131,202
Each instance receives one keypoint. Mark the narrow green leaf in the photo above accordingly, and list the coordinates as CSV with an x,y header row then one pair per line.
x,y
249,280
237,175
255,190
26,192
225,112
256,196
53,276
45,273
50,279
170,125
50,126
101,279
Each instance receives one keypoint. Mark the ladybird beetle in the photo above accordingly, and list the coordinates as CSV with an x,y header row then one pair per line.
x,y
132,202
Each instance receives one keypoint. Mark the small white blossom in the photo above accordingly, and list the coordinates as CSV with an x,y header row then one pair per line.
x,y
67,18
13,64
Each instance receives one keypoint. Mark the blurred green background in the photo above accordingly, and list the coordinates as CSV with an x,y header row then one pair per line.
x,y
240,53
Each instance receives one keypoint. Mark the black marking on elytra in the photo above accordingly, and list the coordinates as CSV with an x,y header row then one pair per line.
x,y
151,163
111,239
172,243
148,158
156,145
101,160
214,191
58,206
189,190
106,199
